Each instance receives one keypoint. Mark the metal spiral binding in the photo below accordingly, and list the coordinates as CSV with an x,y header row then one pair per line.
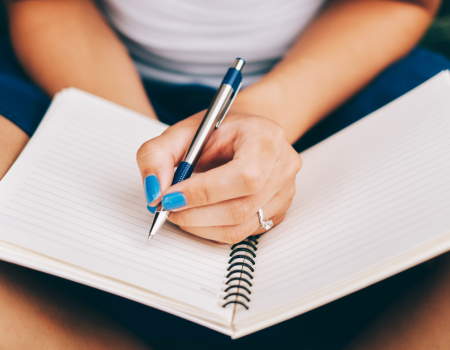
x,y
240,269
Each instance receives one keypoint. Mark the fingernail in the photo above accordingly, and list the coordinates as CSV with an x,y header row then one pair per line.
x,y
152,188
151,209
173,201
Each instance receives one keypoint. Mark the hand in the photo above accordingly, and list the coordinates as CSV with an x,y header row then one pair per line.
x,y
247,165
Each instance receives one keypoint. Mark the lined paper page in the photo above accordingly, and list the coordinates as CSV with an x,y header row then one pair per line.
x,y
373,192
75,195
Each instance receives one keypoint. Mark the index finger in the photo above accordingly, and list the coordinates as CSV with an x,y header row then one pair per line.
x,y
157,157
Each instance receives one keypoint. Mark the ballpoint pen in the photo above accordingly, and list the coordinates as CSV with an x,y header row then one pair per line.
x,y
214,116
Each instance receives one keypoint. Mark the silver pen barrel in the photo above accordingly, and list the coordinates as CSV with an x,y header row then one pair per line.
x,y
213,118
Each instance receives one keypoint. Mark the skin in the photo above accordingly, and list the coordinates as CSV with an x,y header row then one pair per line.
x,y
37,316
67,43
12,141
420,319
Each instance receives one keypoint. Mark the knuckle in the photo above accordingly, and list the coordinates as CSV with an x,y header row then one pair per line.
x,y
141,151
237,214
240,210
298,162
202,194
273,130
286,205
277,131
180,218
292,191
293,165
146,148
253,179
149,151
278,218
234,234
289,197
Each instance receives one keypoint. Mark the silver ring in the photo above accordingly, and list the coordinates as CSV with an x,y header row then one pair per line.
x,y
267,225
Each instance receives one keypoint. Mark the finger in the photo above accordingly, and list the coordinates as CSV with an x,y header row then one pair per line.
x,y
245,175
237,211
157,158
274,210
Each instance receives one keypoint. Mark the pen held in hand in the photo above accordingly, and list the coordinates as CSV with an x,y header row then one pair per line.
x,y
214,116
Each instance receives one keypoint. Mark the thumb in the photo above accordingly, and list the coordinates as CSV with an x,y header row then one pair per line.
x,y
157,158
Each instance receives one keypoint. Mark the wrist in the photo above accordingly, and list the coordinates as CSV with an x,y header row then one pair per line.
x,y
266,98
258,99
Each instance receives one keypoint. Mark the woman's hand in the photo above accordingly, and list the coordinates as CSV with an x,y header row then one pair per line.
x,y
247,165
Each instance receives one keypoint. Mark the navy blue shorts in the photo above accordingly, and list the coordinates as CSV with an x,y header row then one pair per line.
x,y
328,327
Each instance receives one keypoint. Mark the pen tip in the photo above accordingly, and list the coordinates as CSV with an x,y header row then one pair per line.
x,y
158,221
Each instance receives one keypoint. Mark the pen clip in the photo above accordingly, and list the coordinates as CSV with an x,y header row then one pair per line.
x,y
228,106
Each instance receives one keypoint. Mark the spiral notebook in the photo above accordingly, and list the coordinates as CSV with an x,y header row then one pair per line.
x,y
371,201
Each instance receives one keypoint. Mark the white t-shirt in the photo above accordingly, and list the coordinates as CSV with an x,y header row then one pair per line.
x,y
196,41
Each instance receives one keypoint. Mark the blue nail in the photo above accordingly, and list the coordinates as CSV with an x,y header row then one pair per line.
x,y
152,188
173,201
151,209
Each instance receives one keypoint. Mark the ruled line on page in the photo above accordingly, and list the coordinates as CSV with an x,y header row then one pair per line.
x,y
72,209
300,245
39,185
301,239
91,185
113,148
295,220
121,144
97,151
102,166
120,203
94,125
108,241
318,196
374,159
190,286
377,152
147,215
135,265
144,220
100,175
332,262
90,208
366,173
394,135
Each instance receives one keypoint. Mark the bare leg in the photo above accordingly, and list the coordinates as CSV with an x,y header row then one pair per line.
x,y
34,315
12,141
418,320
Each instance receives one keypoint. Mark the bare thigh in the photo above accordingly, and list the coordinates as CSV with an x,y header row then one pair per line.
x,y
419,319
12,141
36,315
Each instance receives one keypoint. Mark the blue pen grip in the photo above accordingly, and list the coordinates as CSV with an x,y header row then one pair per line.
x,y
183,172
233,78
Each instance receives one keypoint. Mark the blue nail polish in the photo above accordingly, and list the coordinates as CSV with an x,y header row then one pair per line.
x,y
151,209
152,188
173,201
